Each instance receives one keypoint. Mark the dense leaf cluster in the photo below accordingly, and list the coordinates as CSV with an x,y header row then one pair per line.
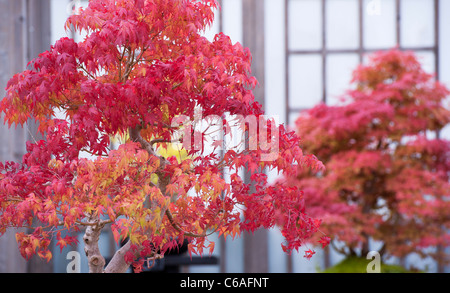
x,y
388,170
142,64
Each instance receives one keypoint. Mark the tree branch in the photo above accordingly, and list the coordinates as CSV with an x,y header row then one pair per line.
x,y
135,135
339,250
118,263
178,228
162,140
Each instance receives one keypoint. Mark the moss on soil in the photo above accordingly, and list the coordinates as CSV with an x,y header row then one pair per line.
x,y
359,265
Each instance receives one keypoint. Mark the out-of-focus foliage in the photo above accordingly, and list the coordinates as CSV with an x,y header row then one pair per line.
x,y
387,172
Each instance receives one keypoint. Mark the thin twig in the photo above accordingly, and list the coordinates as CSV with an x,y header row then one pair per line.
x,y
101,223
162,140
87,72
179,229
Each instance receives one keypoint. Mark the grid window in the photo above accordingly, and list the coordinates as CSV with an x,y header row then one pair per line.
x,y
337,35
379,24
307,86
341,24
304,21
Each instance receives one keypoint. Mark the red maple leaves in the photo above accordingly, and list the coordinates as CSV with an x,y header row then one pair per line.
x,y
387,174
142,65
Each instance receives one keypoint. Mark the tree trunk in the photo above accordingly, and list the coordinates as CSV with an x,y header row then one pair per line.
x,y
365,245
96,261
118,263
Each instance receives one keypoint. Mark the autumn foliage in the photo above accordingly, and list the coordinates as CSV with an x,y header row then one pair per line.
x,y
387,169
142,64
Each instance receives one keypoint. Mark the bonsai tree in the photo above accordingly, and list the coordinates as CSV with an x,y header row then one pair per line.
x,y
142,73
387,168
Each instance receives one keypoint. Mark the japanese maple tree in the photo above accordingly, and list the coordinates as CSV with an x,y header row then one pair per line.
x,y
143,65
387,169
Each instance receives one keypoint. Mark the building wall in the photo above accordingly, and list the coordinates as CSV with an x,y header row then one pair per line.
x,y
24,33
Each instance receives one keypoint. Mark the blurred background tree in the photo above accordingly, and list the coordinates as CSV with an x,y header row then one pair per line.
x,y
387,176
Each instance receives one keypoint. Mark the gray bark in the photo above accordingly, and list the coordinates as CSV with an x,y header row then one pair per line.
x,y
96,261
118,263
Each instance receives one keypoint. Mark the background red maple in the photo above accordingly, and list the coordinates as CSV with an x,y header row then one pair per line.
x,y
387,170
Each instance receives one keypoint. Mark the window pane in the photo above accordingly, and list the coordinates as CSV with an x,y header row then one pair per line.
x,y
342,24
277,257
339,73
232,15
275,59
417,19
79,37
305,81
293,116
379,24
60,11
444,43
426,59
305,25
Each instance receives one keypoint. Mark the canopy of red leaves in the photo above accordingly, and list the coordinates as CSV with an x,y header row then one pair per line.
x,y
387,174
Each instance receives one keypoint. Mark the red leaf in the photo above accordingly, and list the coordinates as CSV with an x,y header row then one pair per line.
x,y
309,253
324,240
